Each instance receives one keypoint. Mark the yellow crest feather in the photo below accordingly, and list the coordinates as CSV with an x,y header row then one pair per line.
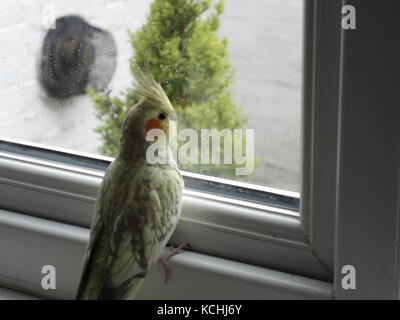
x,y
149,90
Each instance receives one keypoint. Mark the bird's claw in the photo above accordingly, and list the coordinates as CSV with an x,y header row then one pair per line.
x,y
168,254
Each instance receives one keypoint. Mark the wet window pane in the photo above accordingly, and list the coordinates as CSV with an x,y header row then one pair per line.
x,y
231,67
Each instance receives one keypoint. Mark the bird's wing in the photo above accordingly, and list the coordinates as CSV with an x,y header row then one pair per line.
x,y
121,251
139,235
96,250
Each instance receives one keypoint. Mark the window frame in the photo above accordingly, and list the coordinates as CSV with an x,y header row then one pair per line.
x,y
245,232
321,81
367,203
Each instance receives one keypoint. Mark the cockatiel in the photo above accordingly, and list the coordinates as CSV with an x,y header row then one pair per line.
x,y
138,204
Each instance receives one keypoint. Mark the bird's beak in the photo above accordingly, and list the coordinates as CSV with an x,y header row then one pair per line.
x,y
173,117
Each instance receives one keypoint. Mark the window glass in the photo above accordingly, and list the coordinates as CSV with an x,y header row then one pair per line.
x,y
226,66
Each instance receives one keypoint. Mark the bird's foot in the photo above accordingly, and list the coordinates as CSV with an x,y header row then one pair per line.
x,y
168,254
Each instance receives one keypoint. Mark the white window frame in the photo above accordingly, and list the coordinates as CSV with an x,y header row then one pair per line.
x,y
217,226
367,196
241,249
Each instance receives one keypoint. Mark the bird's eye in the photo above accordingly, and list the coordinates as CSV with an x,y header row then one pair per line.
x,y
162,116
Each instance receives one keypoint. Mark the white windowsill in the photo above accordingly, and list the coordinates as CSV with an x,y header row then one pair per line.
x,y
237,244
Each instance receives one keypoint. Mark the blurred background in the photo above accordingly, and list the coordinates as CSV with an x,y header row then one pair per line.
x,y
264,43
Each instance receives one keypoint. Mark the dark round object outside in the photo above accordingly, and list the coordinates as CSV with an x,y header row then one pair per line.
x,y
74,55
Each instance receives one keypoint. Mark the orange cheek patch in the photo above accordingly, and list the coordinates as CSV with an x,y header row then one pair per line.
x,y
152,124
